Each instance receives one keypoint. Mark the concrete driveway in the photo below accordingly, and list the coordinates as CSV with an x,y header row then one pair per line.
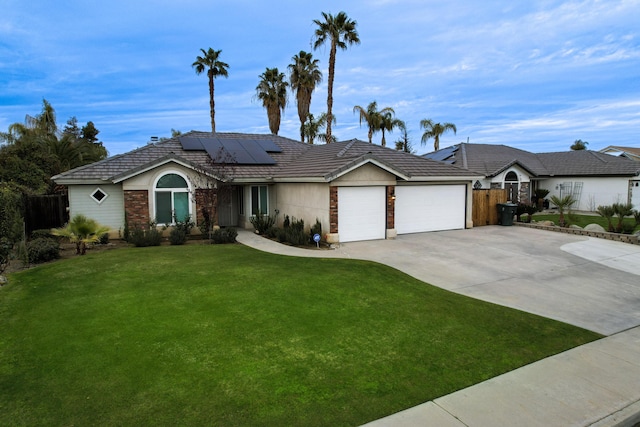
x,y
587,282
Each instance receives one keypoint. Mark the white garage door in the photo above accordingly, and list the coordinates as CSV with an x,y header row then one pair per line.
x,y
361,213
430,208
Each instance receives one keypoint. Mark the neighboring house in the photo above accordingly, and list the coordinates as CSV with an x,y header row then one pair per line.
x,y
357,190
631,153
593,178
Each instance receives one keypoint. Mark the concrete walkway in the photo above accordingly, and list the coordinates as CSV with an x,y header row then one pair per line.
x,y
588,282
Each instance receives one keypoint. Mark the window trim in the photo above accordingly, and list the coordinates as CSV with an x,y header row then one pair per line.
x,y
92,195
173,191
259,199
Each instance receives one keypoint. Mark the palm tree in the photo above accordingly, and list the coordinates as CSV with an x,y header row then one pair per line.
x,y
272,91
372,116
621,210
341,32
311,128
403,143
304,76
388,123
209,61
579,144
562,203
607,212
434,130
81,230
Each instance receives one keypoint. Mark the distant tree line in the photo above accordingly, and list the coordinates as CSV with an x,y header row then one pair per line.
x,y
34,151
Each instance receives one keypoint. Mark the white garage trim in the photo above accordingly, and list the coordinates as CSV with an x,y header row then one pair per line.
x,y
423,208
361,213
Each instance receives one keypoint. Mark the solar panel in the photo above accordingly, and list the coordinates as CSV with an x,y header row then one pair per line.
x,y
269,146
443,154
190,144
242,151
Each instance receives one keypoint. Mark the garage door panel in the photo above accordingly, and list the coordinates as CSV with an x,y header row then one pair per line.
x,y
361,213
430,208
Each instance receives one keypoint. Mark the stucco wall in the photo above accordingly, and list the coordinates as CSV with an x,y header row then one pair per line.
x,y
109,213
366,175
595,191
306,201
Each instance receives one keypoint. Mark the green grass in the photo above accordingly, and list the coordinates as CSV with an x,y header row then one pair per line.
x,y
582,220
226,335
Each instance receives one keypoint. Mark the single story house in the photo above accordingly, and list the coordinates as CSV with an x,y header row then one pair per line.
x,y
631,153
592,178
357,190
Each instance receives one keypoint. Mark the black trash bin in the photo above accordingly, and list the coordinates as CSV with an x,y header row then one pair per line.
x,y
506,212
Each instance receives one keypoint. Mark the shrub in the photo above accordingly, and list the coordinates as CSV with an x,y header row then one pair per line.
x,y
272,232
10,212
5,253
262,222
104,239
295,233
43,250
142,238
315,229
177,236
41,234
224,235
628,228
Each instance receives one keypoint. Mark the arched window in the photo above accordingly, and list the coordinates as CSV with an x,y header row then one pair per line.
x,y
172,199
511,177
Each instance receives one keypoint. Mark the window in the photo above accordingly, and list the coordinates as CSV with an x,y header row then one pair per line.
x,y
172,199
99,195
259,199
241,200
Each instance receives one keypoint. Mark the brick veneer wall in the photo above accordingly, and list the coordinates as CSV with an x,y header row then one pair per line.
x,y
136,206
333,209
391,206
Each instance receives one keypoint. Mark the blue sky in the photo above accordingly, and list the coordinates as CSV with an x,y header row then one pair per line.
x,y
535,75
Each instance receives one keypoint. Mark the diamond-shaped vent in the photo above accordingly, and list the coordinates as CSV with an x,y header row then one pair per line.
x,y
98,195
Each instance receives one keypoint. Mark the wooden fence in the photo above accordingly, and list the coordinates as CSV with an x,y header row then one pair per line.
x,y
485,211
43,212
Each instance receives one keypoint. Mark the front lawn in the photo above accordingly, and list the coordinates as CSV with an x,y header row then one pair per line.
x,y
227,335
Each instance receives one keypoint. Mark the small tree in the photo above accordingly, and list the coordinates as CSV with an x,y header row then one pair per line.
x,y
562,203
621,210
81,230
607,213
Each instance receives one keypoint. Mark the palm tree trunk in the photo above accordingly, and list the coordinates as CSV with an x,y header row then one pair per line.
x,y
212,105
436,143
384,142
332,66
303,98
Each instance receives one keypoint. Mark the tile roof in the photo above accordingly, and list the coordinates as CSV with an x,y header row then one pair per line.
x,y
297,160
491,160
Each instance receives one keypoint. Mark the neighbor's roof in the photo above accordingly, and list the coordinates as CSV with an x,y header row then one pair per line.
x,y
295,161
631,152
490,160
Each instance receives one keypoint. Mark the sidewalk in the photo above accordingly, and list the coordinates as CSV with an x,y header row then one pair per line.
x,y
597,384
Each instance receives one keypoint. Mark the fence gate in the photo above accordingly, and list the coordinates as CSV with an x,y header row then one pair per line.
x,y
485,210
43,212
